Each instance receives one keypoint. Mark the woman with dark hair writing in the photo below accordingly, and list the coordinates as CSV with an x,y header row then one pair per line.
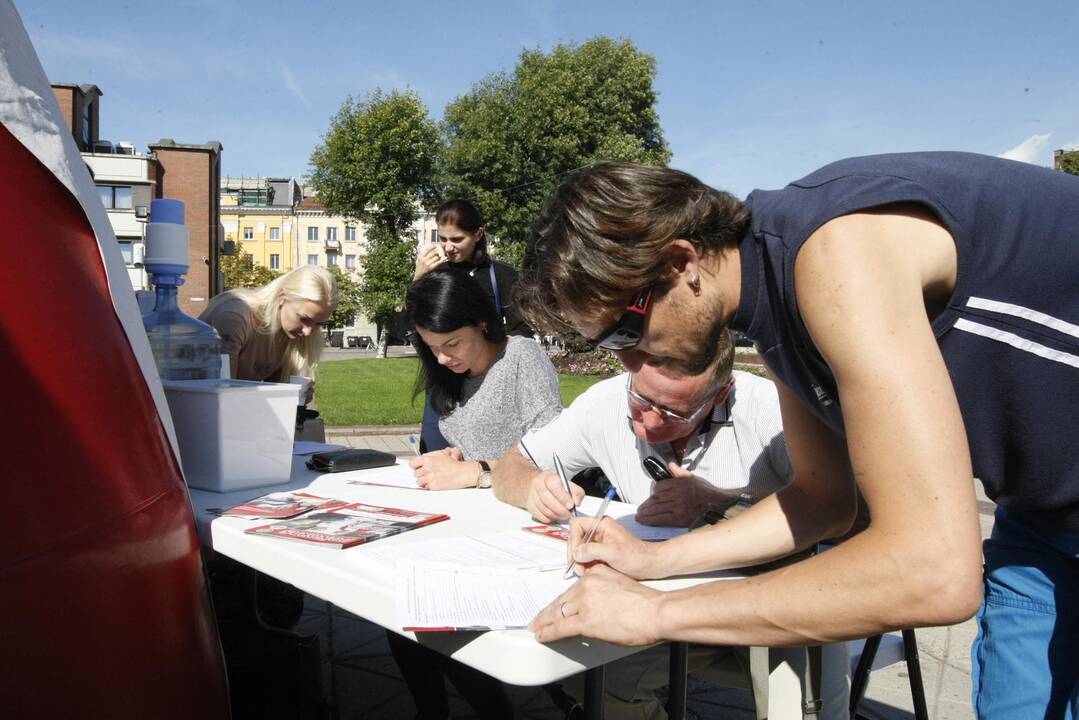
x,y
487,391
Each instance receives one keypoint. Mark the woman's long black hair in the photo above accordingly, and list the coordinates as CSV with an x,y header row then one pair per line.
x,y
443,300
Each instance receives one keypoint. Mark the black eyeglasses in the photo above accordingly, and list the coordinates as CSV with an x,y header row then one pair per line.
x,y
627,332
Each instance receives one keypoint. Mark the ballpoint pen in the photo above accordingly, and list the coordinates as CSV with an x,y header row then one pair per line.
x,y
565,481
415,446
592,530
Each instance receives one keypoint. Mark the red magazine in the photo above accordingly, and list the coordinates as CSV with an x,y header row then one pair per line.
x,y
349,525
552,531
280,505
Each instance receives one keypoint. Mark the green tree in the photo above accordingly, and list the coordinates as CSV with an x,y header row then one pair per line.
x,y
240,272
512,136
1068,161
348,300
376,164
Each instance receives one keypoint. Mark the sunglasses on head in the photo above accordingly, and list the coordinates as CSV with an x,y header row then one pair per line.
x,y
628,330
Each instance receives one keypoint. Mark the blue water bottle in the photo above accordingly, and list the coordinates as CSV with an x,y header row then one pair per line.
x,y
184,348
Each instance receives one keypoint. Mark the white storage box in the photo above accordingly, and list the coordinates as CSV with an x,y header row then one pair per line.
x,y
233,434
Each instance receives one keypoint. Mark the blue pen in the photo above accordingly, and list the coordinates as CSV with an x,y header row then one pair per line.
x,y
565,481
592,530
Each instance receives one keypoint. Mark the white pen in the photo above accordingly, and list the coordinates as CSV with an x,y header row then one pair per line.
x,y
415,445
592,530
565,481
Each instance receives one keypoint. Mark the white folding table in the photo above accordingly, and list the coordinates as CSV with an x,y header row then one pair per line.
x,y
349,580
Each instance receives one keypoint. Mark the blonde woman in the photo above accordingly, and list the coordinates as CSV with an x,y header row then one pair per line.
x,y
271,333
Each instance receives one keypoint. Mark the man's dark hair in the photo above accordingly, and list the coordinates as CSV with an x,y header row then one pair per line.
x,y
602,236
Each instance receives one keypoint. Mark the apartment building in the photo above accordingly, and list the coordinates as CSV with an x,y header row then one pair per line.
x,y
128,180
259,215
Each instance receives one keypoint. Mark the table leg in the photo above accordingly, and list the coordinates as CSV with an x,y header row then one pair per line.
x,y
593,693
676,685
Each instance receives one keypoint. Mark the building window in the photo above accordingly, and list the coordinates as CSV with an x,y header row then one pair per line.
x,y
275,261
350,262
312,234
87,116
249,233
331,233
350,233
331,261
249,260
125,250
115,197
275,233
434,235
312,259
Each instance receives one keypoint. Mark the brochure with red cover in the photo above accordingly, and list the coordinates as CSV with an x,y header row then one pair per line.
x,y
556,532
280,505
349,525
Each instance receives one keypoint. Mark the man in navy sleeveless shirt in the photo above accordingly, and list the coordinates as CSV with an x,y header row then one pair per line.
x,y
920,313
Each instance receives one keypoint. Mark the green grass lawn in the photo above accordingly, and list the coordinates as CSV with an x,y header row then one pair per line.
x,y
379,392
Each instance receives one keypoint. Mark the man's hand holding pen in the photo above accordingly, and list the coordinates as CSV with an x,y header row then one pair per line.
x,y
614,546
548,500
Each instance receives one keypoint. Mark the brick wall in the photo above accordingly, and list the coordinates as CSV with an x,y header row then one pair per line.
x,y
65,97
191,174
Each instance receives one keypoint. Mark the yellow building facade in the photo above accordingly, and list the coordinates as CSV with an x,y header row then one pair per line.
x,y
260,214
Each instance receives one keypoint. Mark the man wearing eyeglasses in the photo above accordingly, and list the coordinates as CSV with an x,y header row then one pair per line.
x,y
920,312
717,433
718,439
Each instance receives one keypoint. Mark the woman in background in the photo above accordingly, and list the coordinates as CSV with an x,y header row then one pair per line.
x,y
487,390
272,333
462,243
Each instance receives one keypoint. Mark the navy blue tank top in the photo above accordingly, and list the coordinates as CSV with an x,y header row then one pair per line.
x,y
1009,335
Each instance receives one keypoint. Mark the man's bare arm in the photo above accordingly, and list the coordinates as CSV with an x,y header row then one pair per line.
x,y
512,476
860,282
516,481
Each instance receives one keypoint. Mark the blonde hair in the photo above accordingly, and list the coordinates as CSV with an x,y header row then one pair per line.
x,y
299,356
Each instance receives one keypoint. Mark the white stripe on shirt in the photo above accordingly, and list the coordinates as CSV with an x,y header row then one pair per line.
x,y
1017,342
1026,313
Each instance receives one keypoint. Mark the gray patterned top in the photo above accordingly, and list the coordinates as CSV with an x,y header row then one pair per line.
x,y
518,393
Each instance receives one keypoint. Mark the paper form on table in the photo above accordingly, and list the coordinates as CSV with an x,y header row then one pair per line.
x,y
432,598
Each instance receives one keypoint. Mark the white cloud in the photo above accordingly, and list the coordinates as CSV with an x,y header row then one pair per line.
x,y
1033,150
293,86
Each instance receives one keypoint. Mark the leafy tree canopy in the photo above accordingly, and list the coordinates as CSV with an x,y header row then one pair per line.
x,y
348,299
241,273
388,268
376,164
512,135
1069,162
377,160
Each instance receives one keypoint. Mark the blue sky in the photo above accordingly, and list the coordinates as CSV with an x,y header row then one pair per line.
x,y
750,94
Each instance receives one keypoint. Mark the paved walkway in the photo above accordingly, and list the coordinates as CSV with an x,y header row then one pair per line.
x,y
369,686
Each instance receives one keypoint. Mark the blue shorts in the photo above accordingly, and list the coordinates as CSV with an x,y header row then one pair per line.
x,y
1026,656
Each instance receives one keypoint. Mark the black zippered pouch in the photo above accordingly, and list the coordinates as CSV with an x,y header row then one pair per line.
x,y
342,460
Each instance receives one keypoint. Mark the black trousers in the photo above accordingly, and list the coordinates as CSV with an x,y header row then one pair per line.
x,y
425,670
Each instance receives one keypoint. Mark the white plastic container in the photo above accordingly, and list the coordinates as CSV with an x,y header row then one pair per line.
x,y
233,434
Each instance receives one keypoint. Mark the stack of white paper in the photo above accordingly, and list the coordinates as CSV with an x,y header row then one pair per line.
x,y
441,598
